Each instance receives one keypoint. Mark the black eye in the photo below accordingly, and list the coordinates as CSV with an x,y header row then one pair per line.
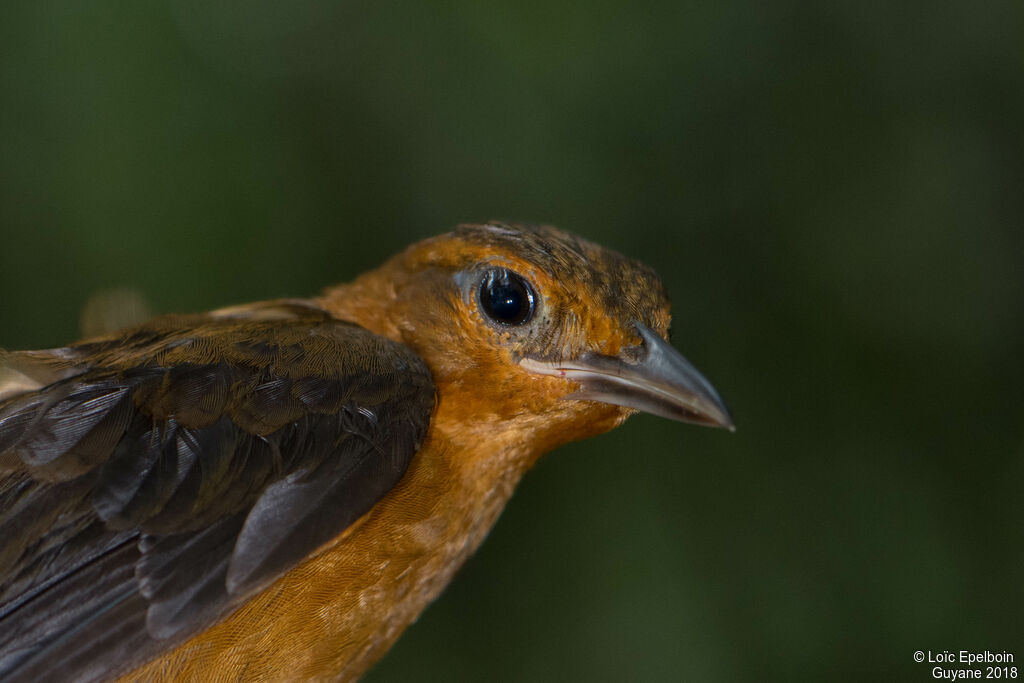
x,y
506,297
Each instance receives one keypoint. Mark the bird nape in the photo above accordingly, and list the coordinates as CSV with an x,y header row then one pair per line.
x,y
276,490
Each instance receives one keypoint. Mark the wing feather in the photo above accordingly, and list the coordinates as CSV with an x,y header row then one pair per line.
x,y
169,472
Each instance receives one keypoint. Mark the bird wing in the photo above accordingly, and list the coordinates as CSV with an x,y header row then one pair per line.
x,y
154,480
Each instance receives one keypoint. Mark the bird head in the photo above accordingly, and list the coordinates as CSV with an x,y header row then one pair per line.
x,y
532,329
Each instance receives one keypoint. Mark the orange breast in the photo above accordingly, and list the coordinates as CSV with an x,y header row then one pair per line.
x,y
339,611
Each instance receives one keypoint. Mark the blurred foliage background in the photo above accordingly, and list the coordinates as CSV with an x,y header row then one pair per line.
x,y
833,192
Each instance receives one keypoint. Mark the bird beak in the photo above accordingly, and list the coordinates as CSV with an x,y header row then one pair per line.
x,y
660,382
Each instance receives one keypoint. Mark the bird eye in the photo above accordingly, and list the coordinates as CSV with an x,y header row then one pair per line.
x,y
506,297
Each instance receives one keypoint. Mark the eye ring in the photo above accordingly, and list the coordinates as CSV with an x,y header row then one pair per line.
x,y
506,297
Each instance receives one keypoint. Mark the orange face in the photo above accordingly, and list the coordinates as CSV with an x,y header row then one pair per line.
x,y
522,329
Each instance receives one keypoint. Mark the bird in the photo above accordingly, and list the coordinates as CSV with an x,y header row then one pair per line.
x,y
276,490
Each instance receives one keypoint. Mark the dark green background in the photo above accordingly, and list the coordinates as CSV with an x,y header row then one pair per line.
x,y
833,192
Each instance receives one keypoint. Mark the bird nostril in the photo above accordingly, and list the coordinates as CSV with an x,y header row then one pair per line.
x,y
634,353
636,349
